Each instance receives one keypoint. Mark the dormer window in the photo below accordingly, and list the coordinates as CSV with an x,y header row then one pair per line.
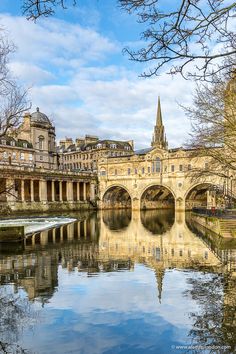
x,y
25,145
4,142
12,143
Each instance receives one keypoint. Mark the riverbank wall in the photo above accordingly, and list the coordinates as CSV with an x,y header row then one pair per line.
x,y
44,206
224,227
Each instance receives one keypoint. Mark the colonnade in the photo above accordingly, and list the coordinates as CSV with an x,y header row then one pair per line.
x,y
47,190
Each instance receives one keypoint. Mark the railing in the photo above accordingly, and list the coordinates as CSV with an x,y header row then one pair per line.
x,y
44,170
209,212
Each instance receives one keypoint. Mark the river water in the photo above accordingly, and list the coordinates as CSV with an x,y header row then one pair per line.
x,y
116,282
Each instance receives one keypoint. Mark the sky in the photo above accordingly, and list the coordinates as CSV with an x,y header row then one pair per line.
x,y
77,74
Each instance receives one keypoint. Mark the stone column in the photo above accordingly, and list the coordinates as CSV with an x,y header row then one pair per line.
x,y
70,230
22,190
44,238
60,191
32,190
42,190
53,191
69,191
78,192
92,191
84,191
10,187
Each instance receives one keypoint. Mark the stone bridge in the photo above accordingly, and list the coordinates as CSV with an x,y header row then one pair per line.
x,y
138,183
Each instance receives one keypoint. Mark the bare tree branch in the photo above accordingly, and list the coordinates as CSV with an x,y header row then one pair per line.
x,y
213,137
13,99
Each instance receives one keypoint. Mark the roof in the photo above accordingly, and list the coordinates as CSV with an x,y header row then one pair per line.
x,y
9,141
83,146
143,151
40,118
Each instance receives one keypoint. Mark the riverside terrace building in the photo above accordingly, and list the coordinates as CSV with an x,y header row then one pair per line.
x,y
83,154
30,178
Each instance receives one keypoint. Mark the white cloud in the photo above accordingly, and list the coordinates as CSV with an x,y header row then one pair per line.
x,y
76,80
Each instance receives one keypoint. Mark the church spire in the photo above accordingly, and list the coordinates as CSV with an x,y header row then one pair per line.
x,y
159,115
159,137
159,272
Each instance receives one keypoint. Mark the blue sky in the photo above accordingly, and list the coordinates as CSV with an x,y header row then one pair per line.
x,y
76,73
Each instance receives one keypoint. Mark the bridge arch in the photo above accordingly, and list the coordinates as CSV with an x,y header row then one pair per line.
x,y
157,196
204,194
116,197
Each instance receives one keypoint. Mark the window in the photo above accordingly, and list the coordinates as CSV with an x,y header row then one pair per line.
x,y
128,171
157,165
143,170
103,173
180,253
41,158
25,145
30,157
181,168
5,155
13,156
13,143
158,253
149,169
172,168
41,142
22,156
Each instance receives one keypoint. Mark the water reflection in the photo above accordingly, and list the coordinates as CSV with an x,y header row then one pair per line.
x,y
158,222
118,220
131,256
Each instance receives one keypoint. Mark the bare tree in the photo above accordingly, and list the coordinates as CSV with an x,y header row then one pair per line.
x,y
213,137
190,37
15,314
13,99
33,9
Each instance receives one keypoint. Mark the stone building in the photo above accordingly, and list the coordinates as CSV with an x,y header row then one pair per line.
x,y
30,178
39,131
16,152
83,154
159,178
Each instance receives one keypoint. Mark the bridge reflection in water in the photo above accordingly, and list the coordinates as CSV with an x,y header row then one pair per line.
x,y
115,241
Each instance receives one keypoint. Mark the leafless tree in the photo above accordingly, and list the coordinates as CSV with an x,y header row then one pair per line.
x,y
15,314
190,37
13,99
213,137
33,9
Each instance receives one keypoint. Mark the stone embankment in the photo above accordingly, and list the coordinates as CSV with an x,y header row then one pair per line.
x,y
225,227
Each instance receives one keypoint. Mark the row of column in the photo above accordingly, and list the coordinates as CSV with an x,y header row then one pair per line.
x,y
49,190
85,229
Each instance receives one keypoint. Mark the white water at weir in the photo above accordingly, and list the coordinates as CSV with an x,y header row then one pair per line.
x,y
36,224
